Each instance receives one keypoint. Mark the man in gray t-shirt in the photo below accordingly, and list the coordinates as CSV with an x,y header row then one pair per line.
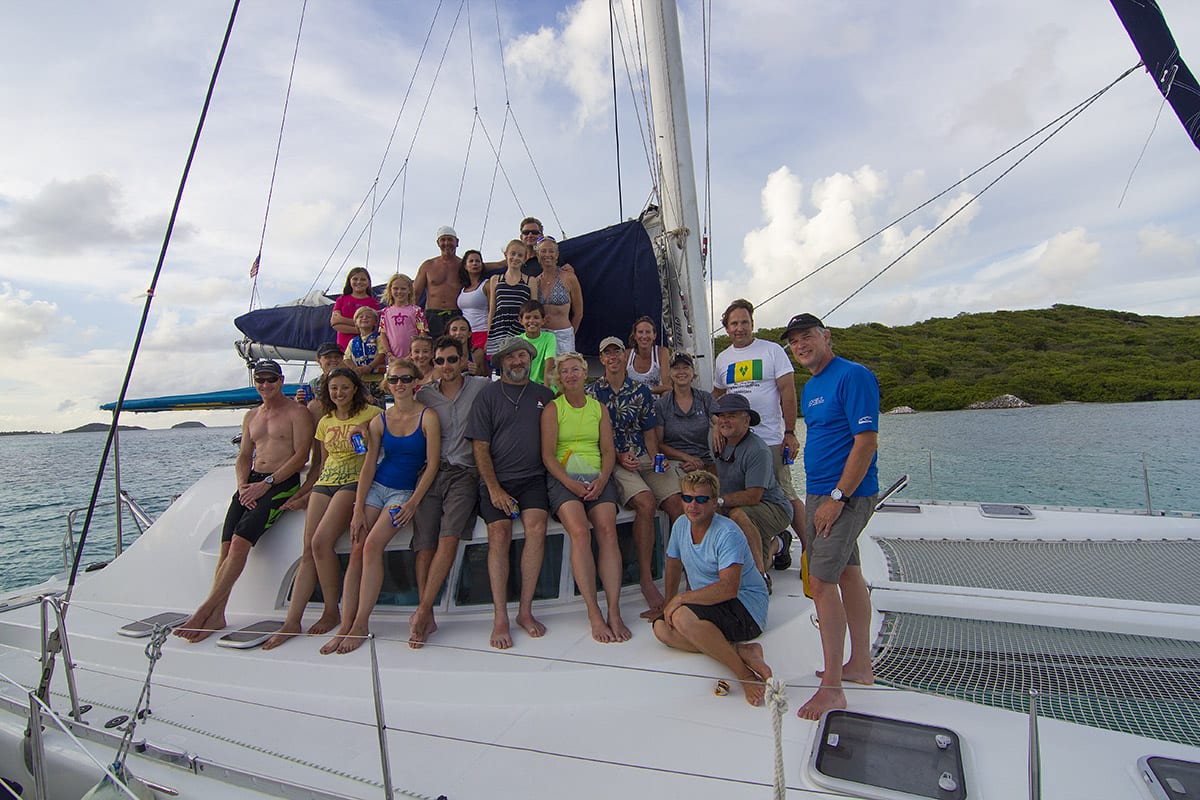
x,y
750,494
506,434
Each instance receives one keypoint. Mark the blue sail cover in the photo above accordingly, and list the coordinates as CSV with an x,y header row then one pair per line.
x,y
616,270
1144,22
230,398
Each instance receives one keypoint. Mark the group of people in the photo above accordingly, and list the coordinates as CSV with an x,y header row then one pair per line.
x,y
642,436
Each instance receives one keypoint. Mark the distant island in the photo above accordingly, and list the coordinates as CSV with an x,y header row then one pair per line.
x,y
190,424
23,433
93,427
1051,355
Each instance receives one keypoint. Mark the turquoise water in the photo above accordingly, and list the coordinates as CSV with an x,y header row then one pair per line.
x,y
1079,455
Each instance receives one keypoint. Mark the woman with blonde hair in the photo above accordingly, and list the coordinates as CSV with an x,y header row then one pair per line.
x,y
578,451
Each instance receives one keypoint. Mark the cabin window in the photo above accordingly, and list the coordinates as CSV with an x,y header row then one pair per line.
x,y
629,559
399,580
473,588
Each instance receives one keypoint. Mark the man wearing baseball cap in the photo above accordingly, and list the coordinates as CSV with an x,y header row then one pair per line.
x,y
276,438
841,412
437,279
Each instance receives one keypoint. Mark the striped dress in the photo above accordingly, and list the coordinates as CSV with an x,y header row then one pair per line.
x,y
506,321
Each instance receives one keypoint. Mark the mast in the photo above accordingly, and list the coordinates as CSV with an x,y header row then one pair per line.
x,y
677,186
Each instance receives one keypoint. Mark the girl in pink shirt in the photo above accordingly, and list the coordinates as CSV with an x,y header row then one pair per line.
x,y
355,295
401,319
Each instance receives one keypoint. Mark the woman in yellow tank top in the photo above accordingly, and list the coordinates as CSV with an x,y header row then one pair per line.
x,y
577,449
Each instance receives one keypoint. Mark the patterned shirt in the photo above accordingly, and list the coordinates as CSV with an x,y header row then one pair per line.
x,y
632,410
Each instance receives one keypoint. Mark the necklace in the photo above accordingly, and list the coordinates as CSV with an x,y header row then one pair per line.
x,y
515,403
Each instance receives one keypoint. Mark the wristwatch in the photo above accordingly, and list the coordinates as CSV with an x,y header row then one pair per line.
x,y
720,502
269,480
837,495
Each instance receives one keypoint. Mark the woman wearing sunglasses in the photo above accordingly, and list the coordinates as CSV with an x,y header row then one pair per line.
x,y
578,451
389,491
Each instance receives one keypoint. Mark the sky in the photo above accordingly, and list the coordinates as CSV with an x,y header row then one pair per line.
x,y
826,122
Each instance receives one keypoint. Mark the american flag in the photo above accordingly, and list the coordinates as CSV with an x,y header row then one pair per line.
x,y
254,266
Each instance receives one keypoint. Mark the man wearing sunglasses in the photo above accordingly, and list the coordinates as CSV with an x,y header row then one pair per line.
x,y
753,498
727,603
447,512
276,438
841,413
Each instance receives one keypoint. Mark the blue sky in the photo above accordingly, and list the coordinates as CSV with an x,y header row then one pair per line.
x,y
828,120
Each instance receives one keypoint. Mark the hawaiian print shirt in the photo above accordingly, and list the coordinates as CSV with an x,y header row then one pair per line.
x,y
632,410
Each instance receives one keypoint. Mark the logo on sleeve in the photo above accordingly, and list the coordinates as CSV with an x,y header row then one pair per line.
x,y
867,420
816,401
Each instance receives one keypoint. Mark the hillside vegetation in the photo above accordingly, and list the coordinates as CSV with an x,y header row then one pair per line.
x,y
1042,356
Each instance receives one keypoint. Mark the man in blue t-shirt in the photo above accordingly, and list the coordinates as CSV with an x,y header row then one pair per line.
x,y
727,604
840,403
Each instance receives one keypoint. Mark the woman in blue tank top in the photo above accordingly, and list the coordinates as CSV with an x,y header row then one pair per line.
x,y
389,491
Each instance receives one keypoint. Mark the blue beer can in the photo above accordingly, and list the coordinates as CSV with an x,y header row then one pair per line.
x,y
360,446
787,455
516,512
660,463
302,394
394,514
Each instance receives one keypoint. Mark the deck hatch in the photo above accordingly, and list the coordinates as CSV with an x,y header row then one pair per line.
x,y
1155,571
859,753
1142,685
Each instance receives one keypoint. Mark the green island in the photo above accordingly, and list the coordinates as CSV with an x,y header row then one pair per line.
x,y
1049,355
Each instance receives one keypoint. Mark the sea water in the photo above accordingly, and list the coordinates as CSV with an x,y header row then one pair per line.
x,y
1070,454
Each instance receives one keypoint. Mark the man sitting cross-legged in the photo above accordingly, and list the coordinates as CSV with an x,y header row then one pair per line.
x,y
727,604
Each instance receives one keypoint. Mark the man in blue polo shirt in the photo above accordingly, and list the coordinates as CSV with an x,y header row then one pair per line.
x,y
840,403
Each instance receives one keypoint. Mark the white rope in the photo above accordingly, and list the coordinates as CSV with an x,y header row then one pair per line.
x,y
777,702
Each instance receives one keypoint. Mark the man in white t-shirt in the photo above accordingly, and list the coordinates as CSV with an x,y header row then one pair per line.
x,y
762,372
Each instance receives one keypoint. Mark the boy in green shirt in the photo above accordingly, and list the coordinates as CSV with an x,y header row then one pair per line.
x,y
532,316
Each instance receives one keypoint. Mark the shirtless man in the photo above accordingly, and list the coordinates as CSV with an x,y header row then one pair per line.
x,y
275,442
437,278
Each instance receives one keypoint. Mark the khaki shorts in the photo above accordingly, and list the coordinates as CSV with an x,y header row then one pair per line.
x,y
783,472
661,484
828,556
770,520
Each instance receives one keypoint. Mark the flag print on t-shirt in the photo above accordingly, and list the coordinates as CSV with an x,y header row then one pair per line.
x,y
742,371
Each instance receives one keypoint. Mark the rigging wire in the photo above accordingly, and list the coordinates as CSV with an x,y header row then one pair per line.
x,y
275,166
1068,113
1170,82
706,234
1070,117
137,342
612,57
643,127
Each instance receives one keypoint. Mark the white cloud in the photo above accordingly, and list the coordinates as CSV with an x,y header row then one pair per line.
x,y
1164,249
25,321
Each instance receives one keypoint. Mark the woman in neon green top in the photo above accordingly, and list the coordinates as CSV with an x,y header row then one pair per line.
x,y
577,449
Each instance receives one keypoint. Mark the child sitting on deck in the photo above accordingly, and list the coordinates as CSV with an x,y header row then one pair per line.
x,y
364,355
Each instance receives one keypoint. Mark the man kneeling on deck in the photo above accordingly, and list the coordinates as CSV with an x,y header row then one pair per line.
x,y
727,604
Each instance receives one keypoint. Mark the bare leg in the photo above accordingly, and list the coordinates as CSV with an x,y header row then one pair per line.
x,y
350,590
422,623
642,504
372,581
332,527
573,518
604,526
798,518
832,614
673,505
856,599
306,574
210,616
421,568
708,639
752,534
499,542
534,522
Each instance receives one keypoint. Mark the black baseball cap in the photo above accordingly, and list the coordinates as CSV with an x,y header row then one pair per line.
x,y
801,322
329,349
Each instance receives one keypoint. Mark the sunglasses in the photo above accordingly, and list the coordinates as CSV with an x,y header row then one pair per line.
x,y
695,498
445,360
406,379
267,379
531,232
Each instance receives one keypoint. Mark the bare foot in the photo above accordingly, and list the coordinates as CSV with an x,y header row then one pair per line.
x,y
420,627
826,698
621,632
600,630
654,600
333,644
285,633
501,638
351,641
324,625
535,629
197,630
752,655
863,676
